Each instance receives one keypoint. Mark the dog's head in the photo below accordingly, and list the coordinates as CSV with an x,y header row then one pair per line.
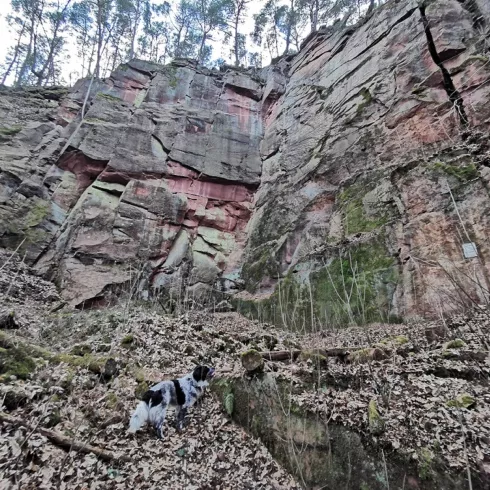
x,y
203,373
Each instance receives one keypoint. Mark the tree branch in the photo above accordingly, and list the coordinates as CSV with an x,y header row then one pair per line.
x,y
63,441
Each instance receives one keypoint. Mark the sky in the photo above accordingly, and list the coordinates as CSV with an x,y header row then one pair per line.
x,y
6,38
71,68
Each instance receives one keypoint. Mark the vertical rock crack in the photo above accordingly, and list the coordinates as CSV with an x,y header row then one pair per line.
x,y
453,94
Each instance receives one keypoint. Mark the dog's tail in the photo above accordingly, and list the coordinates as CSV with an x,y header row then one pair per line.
x,y
140,417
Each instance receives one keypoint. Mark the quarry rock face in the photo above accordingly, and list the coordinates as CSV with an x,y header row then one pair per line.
x,y
341,184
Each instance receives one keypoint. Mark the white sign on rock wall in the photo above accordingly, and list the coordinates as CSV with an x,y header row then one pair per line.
x,y
469,250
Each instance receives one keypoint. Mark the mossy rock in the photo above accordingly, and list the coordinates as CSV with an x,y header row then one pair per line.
x,y
464,400
367,99
7,132
7,320
81,350
426,464
313,356
368,354
141,389
138,374
128,341
103,348
356,219
395,341
15,362
376,423
454,344
109,97
14,398
21,223
53,419
463,173
111,400
252,361
93,364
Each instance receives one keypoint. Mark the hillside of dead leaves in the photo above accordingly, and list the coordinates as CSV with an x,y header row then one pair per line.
x,y
430,386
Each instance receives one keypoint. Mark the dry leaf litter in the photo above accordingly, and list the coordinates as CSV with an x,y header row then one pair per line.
x,y
415,387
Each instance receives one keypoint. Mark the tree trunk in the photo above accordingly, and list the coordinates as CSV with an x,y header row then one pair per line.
x,y
27,58
41,74
201,48
237,58
16,55
99,39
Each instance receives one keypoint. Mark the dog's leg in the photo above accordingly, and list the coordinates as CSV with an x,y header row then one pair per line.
x,y
201,393
157,415
159,423
181,413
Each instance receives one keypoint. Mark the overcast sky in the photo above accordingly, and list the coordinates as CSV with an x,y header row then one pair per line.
x,y
71,68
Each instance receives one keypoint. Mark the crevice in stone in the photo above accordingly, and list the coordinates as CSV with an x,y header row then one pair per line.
x,y
453,94
244,92
403,18
158,145
275,151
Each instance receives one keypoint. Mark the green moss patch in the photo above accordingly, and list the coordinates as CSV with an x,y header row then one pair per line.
x,y
455,344
128,341
463,173
81,350
111,400
27,353
7,131
315,357
23,224
355,287
264,266
15,362
394,341
141,389
356,219
109,97
464,400
426,461
367,99
376,423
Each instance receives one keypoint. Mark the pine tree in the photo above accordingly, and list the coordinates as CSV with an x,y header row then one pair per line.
x,y
14,54
271,24
82,22
156,39
237,17
186,30
211,18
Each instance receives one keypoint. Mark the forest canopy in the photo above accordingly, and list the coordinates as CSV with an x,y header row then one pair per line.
x,y
101,34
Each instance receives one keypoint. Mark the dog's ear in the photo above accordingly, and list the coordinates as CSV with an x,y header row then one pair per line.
x,y
200,373
197,373
147,396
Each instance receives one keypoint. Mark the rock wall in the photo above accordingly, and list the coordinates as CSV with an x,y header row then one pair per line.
x,y
151,190
375,172
338,185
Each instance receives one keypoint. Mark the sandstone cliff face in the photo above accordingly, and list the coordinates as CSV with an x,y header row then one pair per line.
x,y
375,171
152,190
354,171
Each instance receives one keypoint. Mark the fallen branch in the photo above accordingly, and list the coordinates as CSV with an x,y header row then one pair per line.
x,y
287,355
63,441
281,355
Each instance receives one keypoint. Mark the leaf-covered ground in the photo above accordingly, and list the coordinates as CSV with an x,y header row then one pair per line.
x,y
417,384
211,452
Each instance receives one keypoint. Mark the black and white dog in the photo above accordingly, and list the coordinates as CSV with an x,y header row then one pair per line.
x,y
181,393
